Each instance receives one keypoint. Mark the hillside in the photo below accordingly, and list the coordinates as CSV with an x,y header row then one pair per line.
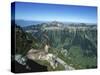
x,y
73,46
76,43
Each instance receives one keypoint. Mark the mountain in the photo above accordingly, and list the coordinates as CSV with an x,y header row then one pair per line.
x,y
23,42
23,23
79,41
75,44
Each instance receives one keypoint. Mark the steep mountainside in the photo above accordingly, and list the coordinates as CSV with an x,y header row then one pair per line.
x,y
78,42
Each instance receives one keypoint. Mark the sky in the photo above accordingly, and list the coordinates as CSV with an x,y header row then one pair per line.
x,y
52,12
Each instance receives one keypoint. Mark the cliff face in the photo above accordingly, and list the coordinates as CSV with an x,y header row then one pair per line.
x,y
87,40
78,41
76,45
81,35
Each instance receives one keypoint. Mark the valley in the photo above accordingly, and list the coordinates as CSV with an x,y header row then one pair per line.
x,y
59,46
